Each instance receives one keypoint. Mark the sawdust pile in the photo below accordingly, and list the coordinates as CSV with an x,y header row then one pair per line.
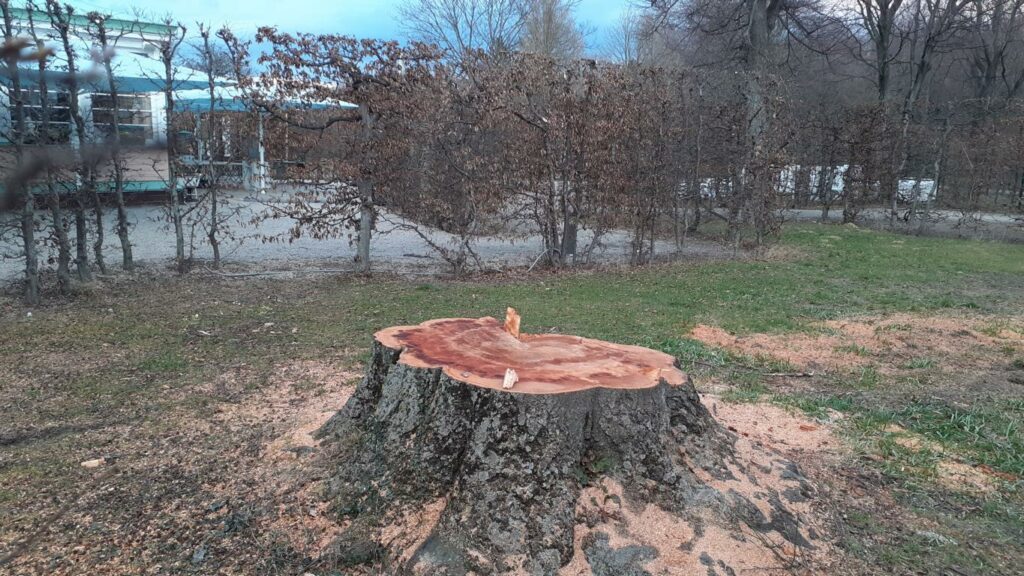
x,y
887,342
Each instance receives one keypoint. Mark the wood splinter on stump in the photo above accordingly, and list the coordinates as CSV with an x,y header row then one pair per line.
x,y
512,322
503,429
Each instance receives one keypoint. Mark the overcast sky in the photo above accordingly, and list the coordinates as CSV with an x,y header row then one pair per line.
x,y
361,18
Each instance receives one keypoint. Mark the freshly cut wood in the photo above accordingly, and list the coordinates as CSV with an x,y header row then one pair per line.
x,y
479,351
512,320
510,379
435,425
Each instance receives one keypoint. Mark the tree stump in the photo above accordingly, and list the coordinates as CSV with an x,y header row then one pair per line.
x,y
436,420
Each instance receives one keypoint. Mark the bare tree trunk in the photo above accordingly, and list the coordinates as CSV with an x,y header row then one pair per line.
x,y
365,188
551,214
167,55
212,234
365,224
1020,191
127,262
894,192
694,224
97,246
28,235
127,259
60,17
81,241
937,167
60,233
758,189
802,186
211,179
850,208
22,188
826,176
569,224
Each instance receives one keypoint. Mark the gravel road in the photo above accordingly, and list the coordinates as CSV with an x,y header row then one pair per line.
x,y
392,249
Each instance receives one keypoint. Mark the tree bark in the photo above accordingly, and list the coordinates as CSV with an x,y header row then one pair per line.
x,y
212,178
127,260
81,241
368,120
97,245
21,189
168,52
365,225
60,19
507,464
60,233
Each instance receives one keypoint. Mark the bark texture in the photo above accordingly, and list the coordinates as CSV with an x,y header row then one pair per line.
x,y
509,466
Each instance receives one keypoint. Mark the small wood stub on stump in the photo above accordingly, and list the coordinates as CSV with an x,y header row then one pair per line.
x,y
504,429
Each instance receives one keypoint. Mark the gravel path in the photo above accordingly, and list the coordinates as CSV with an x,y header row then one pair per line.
x,y
945,223
392,249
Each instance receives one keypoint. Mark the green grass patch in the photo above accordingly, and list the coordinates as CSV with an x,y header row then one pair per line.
x,y
918,364
163,362
987,434
693,354
865,378
816,406
853,349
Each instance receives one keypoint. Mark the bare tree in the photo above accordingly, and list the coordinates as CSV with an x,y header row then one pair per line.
x,y
21,188
212,177
345,89
106,55
933,24
550,30
48,136
460,26
998,31
168,54
879,21
60,20
630,40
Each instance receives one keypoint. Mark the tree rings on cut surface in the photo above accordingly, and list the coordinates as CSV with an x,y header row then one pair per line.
x,y
480,352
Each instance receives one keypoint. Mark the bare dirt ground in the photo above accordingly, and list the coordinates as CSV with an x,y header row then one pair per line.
x,y
704,544
241,477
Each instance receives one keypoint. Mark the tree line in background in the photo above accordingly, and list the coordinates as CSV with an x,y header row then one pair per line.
x,y
697,110
60,169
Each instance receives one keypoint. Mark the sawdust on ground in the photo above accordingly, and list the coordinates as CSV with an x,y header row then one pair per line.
x,y
301,398
767,437
887,342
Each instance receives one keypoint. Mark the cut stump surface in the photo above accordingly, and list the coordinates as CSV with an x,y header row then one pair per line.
x,y
479,351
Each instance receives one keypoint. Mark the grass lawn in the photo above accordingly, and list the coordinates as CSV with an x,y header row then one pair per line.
x,y
143,369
